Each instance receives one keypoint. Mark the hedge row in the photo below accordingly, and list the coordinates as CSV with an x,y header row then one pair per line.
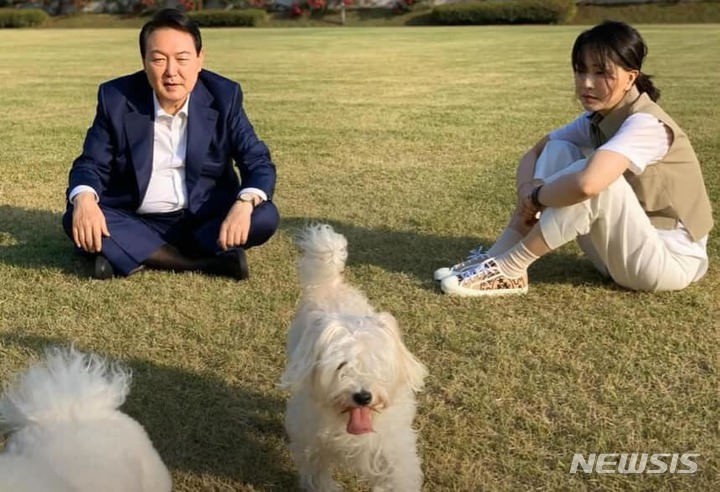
x,y
505,12
659,13
229,18
22,17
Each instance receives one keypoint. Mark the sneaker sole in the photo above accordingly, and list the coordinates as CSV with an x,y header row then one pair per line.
x,y
463,292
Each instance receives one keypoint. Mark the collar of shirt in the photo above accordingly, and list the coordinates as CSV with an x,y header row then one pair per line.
x,y
159,111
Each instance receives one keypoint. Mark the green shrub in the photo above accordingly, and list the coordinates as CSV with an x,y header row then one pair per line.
x,y
505,12
684,12
229,18
22,17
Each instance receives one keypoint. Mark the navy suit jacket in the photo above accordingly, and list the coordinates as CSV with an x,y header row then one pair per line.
x,y
116,160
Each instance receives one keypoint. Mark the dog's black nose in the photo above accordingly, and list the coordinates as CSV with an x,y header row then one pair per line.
x,y
362,397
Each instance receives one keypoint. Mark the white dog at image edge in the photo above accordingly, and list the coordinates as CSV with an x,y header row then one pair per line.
x,y
67,434
351,378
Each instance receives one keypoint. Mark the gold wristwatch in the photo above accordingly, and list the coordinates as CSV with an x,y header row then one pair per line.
x,y
250,198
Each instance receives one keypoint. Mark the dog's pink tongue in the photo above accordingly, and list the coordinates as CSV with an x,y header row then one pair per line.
x,y
359,421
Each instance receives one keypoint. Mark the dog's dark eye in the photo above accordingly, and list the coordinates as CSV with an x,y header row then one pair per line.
x,y
342,364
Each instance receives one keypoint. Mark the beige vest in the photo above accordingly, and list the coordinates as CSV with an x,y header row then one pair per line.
x,y
671,189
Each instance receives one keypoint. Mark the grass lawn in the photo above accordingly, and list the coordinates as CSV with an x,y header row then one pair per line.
x,y
406,140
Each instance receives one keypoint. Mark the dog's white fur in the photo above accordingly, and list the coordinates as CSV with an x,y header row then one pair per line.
x,y
338,345
67,434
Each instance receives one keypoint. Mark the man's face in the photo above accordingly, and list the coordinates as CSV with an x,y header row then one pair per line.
x,y
172,66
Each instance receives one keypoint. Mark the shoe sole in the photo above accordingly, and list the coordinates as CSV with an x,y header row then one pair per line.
x,y
462,292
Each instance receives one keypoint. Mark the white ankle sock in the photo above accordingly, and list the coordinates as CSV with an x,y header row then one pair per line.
x,y
508,238
515,261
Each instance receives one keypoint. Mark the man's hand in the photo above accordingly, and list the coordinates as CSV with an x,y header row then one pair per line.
x,y
88,223
236,226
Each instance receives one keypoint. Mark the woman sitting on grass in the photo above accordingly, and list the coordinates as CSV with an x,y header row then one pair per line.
x,y
622,179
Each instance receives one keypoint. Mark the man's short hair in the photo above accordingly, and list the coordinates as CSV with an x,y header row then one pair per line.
x,y
173,19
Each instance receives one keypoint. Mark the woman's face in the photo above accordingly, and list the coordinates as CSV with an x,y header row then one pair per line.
x,y
600,89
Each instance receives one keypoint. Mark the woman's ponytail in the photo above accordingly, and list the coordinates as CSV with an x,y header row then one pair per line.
x,y
644,84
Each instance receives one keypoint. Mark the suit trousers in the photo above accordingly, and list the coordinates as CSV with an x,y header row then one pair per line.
x,y
134,237
611,228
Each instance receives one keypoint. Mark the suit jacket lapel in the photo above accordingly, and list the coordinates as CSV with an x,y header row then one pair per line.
x,y
139,131
200,129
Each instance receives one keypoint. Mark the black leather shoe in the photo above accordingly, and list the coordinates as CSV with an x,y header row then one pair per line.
x,y
102,269
233,263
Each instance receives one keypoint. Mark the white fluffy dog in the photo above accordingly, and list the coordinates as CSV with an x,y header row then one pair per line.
x,y
352,381
67,433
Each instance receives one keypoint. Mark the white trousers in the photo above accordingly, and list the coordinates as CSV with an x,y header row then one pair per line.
x,y
612,229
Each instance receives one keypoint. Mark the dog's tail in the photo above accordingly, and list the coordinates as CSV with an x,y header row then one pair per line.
x,y
67,384
324,253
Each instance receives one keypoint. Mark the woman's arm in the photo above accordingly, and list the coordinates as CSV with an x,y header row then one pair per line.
x,y
604,167
641,140
524,209
526,167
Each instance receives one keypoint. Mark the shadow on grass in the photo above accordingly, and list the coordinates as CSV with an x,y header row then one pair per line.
x,y
35,239
418,254
197,422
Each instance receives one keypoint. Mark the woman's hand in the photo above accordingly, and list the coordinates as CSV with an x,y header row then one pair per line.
x,y
525,208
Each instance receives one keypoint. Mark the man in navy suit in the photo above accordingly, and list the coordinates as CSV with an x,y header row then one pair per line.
x,y
155,184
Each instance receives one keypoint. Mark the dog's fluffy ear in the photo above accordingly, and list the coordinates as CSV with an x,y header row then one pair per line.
x,y
305,355
411,371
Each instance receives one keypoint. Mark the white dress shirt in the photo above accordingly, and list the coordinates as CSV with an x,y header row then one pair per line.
x,y
166,191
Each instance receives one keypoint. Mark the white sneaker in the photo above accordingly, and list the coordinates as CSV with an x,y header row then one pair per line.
x,y
485,279
474,257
